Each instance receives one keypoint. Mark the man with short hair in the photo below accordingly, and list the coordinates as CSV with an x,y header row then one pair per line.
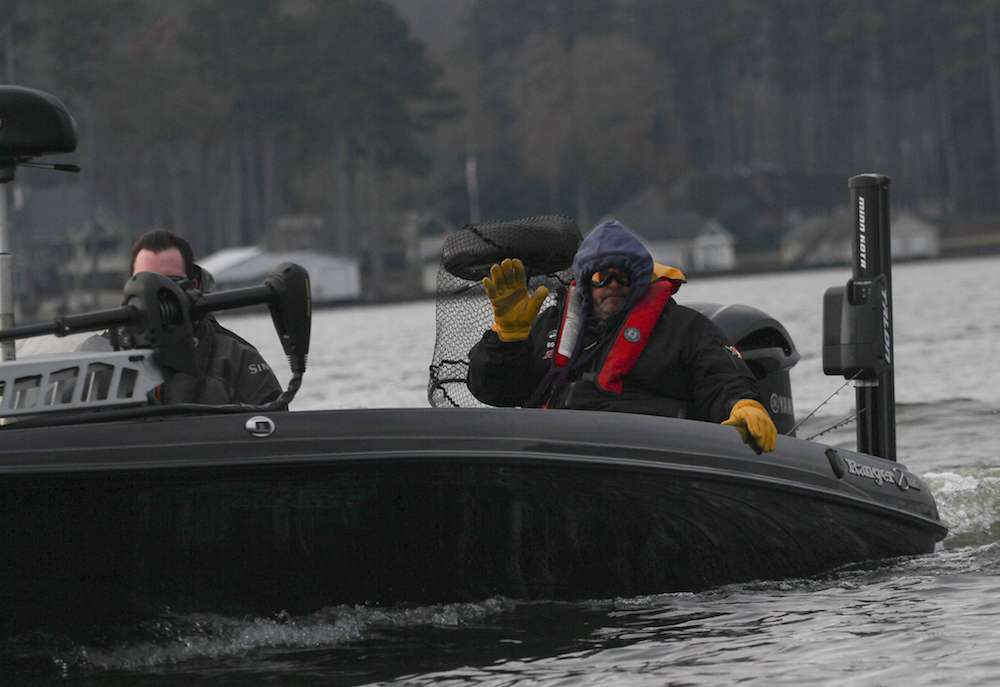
x,y
230,370
618,342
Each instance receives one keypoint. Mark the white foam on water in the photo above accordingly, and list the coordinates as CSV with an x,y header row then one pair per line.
x,y
191,637
218,637
968,499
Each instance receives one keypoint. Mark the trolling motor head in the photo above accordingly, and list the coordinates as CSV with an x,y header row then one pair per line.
x,y
33,123
162,321
291,312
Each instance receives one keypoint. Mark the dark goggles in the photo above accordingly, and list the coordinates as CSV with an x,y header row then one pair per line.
x,y
602,278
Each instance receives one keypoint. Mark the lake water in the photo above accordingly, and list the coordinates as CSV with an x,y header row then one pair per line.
x,y
926,620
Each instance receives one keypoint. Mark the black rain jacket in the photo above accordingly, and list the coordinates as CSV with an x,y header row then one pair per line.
x,y
230,370
685,370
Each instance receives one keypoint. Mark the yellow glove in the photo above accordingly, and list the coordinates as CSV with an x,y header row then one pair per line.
x,y
513,308
752,420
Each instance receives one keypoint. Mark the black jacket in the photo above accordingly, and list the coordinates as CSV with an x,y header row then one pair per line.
x,y
686,369
230,370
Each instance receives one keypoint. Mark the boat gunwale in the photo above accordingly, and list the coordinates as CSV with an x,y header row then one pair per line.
x,y
511,457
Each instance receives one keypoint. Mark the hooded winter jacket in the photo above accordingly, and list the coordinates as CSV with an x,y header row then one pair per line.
x,y
686,369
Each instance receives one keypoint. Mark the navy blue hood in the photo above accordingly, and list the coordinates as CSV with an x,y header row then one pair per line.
x,y
612,244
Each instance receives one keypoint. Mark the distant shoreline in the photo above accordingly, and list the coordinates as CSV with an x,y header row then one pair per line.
x,y
769,262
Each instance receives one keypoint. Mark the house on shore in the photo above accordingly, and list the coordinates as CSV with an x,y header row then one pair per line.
x,y
827,239
818,241
333,279
914,237
681,238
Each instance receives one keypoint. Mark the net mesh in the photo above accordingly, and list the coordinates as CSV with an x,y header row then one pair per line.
x,y
546,245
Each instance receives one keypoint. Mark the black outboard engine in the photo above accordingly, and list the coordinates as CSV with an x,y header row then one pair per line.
x,y
766,348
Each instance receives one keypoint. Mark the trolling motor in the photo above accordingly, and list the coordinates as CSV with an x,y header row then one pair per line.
x,y
857,320
157,318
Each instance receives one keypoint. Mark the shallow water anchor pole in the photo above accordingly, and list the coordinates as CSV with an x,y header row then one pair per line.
x,y
875,395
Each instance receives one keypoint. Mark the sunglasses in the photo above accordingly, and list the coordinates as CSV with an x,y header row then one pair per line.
x,y
602,278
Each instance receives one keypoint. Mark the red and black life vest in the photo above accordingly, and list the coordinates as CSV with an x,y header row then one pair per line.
x,y
630,339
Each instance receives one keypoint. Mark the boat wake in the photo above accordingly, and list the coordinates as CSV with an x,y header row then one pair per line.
x,y
358,643
168,640
963,475
968,500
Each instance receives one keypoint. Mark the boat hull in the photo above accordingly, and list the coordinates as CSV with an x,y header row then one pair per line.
x,y
419,506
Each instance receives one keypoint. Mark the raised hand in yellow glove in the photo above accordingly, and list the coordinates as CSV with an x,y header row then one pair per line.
x,y
514,309
754,423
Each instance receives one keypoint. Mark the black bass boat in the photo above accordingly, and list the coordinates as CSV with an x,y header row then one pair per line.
x,y
113,504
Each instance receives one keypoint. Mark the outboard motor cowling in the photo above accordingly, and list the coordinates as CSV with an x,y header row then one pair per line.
x,y
766,348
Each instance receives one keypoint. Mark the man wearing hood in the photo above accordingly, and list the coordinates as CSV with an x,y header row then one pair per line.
x,y
619,342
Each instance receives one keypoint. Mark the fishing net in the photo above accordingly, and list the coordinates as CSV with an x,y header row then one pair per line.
x,y
546,245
